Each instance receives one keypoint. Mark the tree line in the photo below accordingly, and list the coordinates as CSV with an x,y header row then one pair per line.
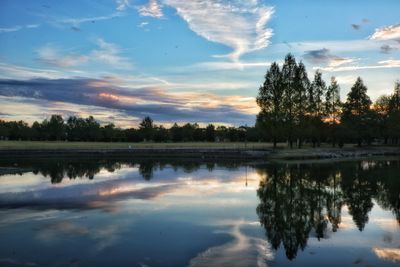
x,y
297,110
88,129
293,109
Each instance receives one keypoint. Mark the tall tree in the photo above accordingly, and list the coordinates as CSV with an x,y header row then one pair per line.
x,y
146,129
289,70
332,108
356,110
316,106
394,114
301,85
269,100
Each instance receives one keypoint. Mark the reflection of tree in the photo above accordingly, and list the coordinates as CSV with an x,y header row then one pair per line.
x,y
358,191
282,211
59,168
146,169
388,195
299,199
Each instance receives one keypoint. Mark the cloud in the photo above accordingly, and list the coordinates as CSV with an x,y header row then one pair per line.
x,y
122,4
384,64
387,49
110,54
19,27
105,52
241,26
390,63
160,105
152,9
52,56
77,21
391,32
229,65
143,24
323,56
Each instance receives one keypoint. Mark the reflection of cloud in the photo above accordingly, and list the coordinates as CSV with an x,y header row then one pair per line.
x,y
389,254
50,232
242,251
16,262
104,236
247,30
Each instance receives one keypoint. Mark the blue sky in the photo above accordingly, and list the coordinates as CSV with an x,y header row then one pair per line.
x,y
198,61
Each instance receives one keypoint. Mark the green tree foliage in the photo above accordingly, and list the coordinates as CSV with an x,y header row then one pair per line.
x,y
332,110
269,100
394,115
146,129
357,113
289,70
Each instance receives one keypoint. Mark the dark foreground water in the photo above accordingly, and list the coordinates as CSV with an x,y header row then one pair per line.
x,y
123,212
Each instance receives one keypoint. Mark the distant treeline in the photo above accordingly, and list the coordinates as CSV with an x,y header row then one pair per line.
x,y
294,109
88,129
297,110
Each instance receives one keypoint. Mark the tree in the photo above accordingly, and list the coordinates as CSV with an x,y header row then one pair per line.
x,y
394,114
55,128
289,69
316,106
269,100
332,108
146,128
302,84
381,108
210,133
356,110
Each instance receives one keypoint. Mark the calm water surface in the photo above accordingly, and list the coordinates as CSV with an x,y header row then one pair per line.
x,y
125,212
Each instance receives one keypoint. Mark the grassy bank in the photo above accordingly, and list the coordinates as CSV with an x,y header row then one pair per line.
x,y
34,145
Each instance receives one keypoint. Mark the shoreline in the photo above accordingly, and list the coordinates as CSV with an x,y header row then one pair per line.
x,y
212,153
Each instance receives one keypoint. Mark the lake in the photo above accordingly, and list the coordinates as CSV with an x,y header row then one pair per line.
x,y
143,212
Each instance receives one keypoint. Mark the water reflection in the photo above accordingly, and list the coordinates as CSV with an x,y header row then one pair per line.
x,y
87,167
299,200
113,206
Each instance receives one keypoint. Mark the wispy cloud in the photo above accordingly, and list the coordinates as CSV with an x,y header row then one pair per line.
x,y
122,4
152,9
391,32
19,27
324,56
105,52
110,54
246,31
384,64
77,21
52,56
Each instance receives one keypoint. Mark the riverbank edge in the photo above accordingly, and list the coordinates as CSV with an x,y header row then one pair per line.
x,y
213,153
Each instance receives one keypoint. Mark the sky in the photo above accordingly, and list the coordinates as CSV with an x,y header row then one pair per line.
x,y
183,61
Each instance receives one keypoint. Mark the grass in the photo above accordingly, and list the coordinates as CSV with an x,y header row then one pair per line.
x,y
4,145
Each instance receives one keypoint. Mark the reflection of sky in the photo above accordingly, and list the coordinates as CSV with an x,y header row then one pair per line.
x,y
202,218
